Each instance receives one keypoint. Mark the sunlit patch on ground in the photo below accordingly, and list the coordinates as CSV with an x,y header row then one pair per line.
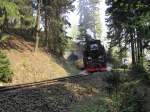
x,y
30,67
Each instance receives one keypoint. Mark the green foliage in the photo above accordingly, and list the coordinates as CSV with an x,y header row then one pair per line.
x,y
56,23
132,102
16,14
72,46
128,24
113,104
127,96
17,17
124,96
97,106
9,12
147,65
26,12
4,37
139,67
146,77
27,22
10,8
5,72
115,56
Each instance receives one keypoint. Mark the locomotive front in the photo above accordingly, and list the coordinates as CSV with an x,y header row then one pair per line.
x,y
94,57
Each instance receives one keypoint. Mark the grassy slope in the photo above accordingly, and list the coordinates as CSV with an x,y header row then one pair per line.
x,y
32,67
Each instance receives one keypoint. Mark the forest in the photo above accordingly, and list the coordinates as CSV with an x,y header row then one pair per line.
x,y
36,48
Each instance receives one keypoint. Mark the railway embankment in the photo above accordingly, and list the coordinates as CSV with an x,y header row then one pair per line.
x,y
99,92
54,97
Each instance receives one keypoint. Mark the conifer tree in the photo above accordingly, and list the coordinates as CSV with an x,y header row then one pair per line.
x,y
9,13
90,16
5,72
129,24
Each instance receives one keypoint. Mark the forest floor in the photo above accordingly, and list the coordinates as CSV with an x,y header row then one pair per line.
x,y
29,67
84,94
59,97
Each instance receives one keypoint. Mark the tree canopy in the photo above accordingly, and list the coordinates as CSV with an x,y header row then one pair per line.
x,y
129,25
90,17
17,16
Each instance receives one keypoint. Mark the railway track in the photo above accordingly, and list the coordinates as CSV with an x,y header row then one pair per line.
x,y
39,84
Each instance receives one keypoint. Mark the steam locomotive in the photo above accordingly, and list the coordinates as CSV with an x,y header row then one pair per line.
x,y
94,56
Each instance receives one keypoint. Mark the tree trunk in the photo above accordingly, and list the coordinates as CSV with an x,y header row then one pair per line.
x,y
46,31
37,28
138,49
141,47
133,50
37,42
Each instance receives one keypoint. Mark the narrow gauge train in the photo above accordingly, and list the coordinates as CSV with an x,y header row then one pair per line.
x,y
94,57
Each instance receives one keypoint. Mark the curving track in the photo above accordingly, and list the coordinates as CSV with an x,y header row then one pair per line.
x,y
39,84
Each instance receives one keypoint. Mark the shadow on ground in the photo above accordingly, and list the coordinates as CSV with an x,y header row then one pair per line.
x,y
57,97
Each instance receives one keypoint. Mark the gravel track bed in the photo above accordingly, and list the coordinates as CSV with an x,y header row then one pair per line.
x,y
52,98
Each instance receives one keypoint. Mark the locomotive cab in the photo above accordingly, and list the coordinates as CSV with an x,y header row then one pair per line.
x,y
94,57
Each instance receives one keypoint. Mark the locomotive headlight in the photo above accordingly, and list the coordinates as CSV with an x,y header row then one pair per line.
x,y
100,57
89,58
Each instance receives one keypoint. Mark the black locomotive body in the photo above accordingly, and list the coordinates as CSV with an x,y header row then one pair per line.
x,y
94,57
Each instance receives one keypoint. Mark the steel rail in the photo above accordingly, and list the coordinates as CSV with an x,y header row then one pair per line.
x,y
38,84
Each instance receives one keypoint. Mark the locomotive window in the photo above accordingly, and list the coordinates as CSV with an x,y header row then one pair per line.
x,y
93,47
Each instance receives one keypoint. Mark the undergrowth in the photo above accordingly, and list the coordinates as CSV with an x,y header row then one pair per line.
x,y
122,96
4,37
101,105
5,72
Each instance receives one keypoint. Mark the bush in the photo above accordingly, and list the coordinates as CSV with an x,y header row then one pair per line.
x,y
146,77
5,72
101,105
147,65
4,37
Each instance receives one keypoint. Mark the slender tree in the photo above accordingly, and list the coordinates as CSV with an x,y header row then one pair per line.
x,y
53,15
37,25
